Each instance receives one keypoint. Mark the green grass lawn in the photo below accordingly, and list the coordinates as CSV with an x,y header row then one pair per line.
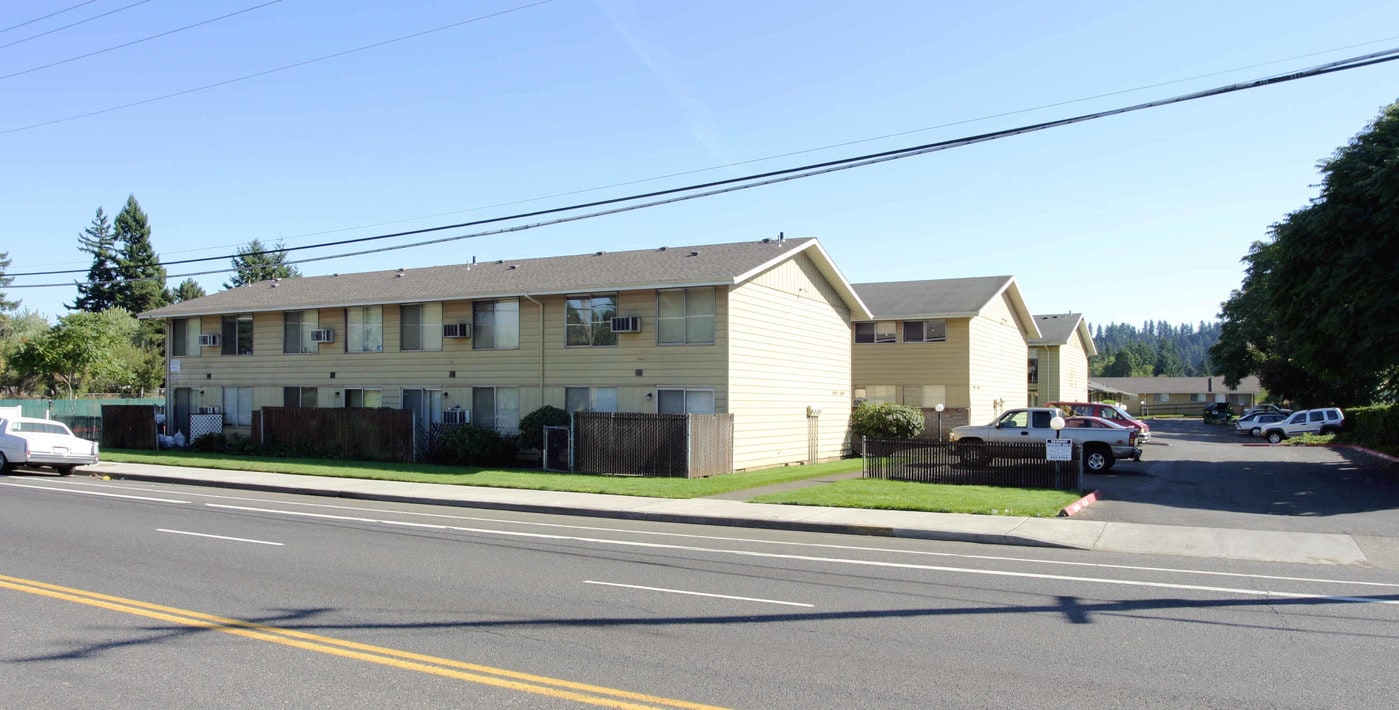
x,y
490,478
929,497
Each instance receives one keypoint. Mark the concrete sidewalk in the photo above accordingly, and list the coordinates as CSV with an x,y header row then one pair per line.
x,y
988,529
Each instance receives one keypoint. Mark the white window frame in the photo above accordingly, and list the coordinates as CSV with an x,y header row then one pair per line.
x,y
877,394
366,394
429,326
303,344
599,399
233,345
238,406
300,396
695,326
505,420
597,328
364,329
495,335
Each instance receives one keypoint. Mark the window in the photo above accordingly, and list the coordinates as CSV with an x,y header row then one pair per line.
x,y
364,329
875,393
238,334
497,324
678,401
426,406
924,396
1034,362
179,337
925,331
1197,397
298,397
238,406
420,327
364,399
496,407
296,332
685,316
590,399
588,320
1163,397
875,332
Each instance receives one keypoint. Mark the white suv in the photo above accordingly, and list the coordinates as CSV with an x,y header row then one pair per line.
x,y
1327,420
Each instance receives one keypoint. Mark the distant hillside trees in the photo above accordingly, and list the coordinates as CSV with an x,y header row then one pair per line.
x,y
1156,349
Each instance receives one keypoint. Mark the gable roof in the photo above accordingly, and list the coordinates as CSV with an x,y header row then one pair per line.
x,y
1058,328
665,267
944,298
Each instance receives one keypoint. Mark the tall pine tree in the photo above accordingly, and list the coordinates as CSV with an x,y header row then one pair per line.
x,y
187,290
143,285
6,305
256,262
100,290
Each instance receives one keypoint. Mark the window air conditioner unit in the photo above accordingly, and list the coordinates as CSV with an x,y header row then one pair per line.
x,y
323,336
211,340
626,324
456,330
456,416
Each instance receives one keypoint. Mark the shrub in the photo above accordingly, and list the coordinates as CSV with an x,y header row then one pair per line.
x,y
1375,426
477,446
532,426
212,442
886,420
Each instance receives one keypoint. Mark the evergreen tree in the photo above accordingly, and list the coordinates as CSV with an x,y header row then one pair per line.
x,y
1168,362
256,262
143,285
5,304
100,291
188,290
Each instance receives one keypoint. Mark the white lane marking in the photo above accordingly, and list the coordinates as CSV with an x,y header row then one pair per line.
x,y
219,537
697,594
830,560
790,543
92,493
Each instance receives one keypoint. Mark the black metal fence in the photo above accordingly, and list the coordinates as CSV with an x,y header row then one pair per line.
x,y
1020,464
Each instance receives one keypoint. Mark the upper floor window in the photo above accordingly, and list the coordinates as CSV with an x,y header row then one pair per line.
x,y
588,320
1034,366
875,332
496,324
364,329
296,332
925,331
184,337
420,326
685,315
238,334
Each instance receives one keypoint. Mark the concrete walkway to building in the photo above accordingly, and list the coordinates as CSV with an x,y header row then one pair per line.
x,y
730,510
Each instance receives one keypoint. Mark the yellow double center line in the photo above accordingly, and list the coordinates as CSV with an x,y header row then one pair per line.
x,y
445,667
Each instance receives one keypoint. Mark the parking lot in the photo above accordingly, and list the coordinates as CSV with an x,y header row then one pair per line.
x,y
1204,475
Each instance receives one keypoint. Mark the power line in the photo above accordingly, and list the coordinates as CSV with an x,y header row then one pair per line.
x,y
138,41
789,154
45,17
751,181
255,75
74,24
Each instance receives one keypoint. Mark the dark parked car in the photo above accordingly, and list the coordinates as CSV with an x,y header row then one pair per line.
x,y
1218,413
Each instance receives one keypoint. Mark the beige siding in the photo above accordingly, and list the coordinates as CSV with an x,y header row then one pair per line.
x,y
1072,371
902,364
789,350
998,367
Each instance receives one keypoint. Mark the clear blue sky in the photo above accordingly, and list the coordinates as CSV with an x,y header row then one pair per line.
x,y
1136,217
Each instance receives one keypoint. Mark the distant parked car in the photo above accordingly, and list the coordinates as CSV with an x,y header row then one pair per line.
x,y
1111,412
1326,420
1270,408
1253,424
1218,413
43,442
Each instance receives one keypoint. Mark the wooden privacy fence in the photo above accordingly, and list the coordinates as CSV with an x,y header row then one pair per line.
x,y
676,445
349,433
1019,464
128,426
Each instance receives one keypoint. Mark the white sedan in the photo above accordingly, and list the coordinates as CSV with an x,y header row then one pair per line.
x,y
43,442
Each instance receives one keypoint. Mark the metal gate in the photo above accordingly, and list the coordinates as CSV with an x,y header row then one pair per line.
x,y
558,449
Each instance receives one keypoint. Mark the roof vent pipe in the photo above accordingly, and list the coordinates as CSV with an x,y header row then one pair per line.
x,y
781,237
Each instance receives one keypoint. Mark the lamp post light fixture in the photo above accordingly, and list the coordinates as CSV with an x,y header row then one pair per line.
x,y
1057,424
938,407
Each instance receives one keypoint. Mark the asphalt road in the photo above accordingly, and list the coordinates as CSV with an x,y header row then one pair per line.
x,y
123,594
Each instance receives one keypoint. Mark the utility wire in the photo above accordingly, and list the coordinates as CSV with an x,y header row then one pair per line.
x,y
45,17
138,41
743,183
803,151
246,77
75,24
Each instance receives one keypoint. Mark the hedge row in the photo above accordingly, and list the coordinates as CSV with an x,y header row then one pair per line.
x,y
1376,426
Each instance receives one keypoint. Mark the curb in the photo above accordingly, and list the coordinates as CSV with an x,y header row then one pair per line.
x,y
1079,504
797,526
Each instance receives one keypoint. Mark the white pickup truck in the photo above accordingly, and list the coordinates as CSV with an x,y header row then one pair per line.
x,y
1102,447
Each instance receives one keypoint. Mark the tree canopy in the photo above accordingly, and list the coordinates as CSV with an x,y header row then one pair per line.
x,y
6,305
257,262
143,285
187,290
1315,315
99,291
